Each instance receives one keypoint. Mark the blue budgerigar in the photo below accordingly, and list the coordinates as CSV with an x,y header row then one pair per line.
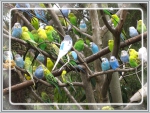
x,y
40,14
41,58
114,62
83,26
133,32
39,72
7,55
24,5
74,55
94,47
65,47
19,61
65,11
124,56
105,65
16,30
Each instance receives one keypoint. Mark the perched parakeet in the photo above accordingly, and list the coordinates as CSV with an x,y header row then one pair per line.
x,y
28,67
35,35
142,54
27,36
141,25
35,23
107,108
65,11
7,55
114,62
19,61
24,5
40,14
133,61
107,12
105,65
133,32
115,19
17,30
73,21
83,26
52,35
39,72
50,77
45,97
49,64
124,56
134,53
74,55
79,45
111,45
65,47
94,47
41,58
42,38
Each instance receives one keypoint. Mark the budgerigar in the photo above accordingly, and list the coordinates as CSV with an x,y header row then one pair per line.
x,y
133,32
17,30
41,58
52,35
105,65
124,56
134,53
24,5
40,14
114,65
141,25
74,55
94,47
111,45
79,45
7,55
83,26
142,54
65,11
39,72
65,47
115,19
133,61
19,61
49,64
35,23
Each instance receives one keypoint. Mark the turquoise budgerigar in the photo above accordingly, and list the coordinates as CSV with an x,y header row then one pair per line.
x,y
16,30
19,61
74,55
133,32
94,47
105,65
65,47
141,25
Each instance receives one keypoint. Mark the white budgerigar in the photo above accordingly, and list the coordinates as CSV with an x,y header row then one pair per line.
x,y
65,47
142,54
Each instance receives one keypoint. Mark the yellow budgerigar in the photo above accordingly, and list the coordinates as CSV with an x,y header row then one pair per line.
x,y
50,64
110,44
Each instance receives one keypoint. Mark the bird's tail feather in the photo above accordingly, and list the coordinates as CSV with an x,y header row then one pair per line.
x,y
56,63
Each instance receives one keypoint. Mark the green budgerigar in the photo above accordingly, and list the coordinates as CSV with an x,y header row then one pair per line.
x,y
73,21
28,67
27,36
140,24
133,61
52,35
79,45
50,78
35,23
49,64
115,19
111,45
